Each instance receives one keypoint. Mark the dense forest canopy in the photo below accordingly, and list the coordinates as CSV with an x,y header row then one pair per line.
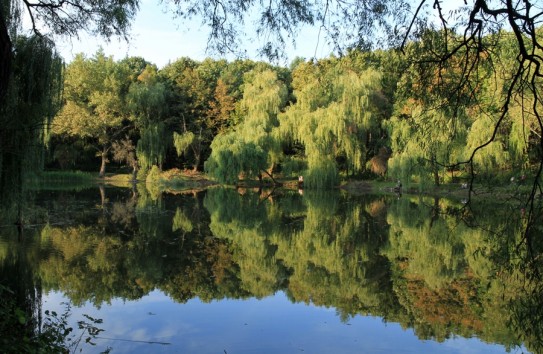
x,y
361,115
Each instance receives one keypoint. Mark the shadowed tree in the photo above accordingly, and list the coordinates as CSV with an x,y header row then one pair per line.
x,y
191,86
32,99
125,151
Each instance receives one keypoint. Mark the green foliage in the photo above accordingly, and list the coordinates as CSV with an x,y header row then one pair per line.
x,y
30,102
293,166
321,173
230,157
151,148
154,175
334,114
146,100
494,156
95,103
181,222
182,141
147,97
125,151
94,100
30,74
431,121
251,147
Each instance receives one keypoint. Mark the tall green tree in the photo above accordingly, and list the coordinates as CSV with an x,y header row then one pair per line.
x,y
429,128
95,106
333,117
251,147
192,89
35,69
146,100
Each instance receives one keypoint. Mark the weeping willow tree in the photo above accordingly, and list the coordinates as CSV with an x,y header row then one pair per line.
x,y
31,101
183,141
334,117
29,97
252,147
147,101
495,156
431,118
151,149
264,97
515,147
424,143
231,157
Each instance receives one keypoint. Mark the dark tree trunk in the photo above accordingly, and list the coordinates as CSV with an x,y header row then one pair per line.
x,y
275,183
5,75
434,212
5,57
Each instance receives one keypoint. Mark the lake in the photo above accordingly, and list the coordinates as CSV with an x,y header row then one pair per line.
x,y
251,271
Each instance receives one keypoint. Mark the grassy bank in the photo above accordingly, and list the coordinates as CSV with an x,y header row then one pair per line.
x,y
61,180
176,180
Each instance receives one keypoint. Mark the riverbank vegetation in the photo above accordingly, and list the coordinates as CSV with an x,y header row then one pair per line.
x,y
364,115
333,121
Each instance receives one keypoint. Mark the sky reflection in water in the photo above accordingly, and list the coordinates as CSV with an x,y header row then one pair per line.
x,y
270,325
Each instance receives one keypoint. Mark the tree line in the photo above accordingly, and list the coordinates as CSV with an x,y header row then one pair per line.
x,y
365,114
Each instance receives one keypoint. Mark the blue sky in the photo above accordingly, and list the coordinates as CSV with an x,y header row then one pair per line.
x,y
159,38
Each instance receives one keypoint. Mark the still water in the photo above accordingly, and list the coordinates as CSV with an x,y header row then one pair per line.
x,y
243,271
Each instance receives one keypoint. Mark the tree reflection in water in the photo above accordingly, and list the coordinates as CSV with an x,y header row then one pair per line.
x,y
410,260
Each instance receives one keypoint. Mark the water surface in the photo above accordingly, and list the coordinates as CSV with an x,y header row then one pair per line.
x,y
247,271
